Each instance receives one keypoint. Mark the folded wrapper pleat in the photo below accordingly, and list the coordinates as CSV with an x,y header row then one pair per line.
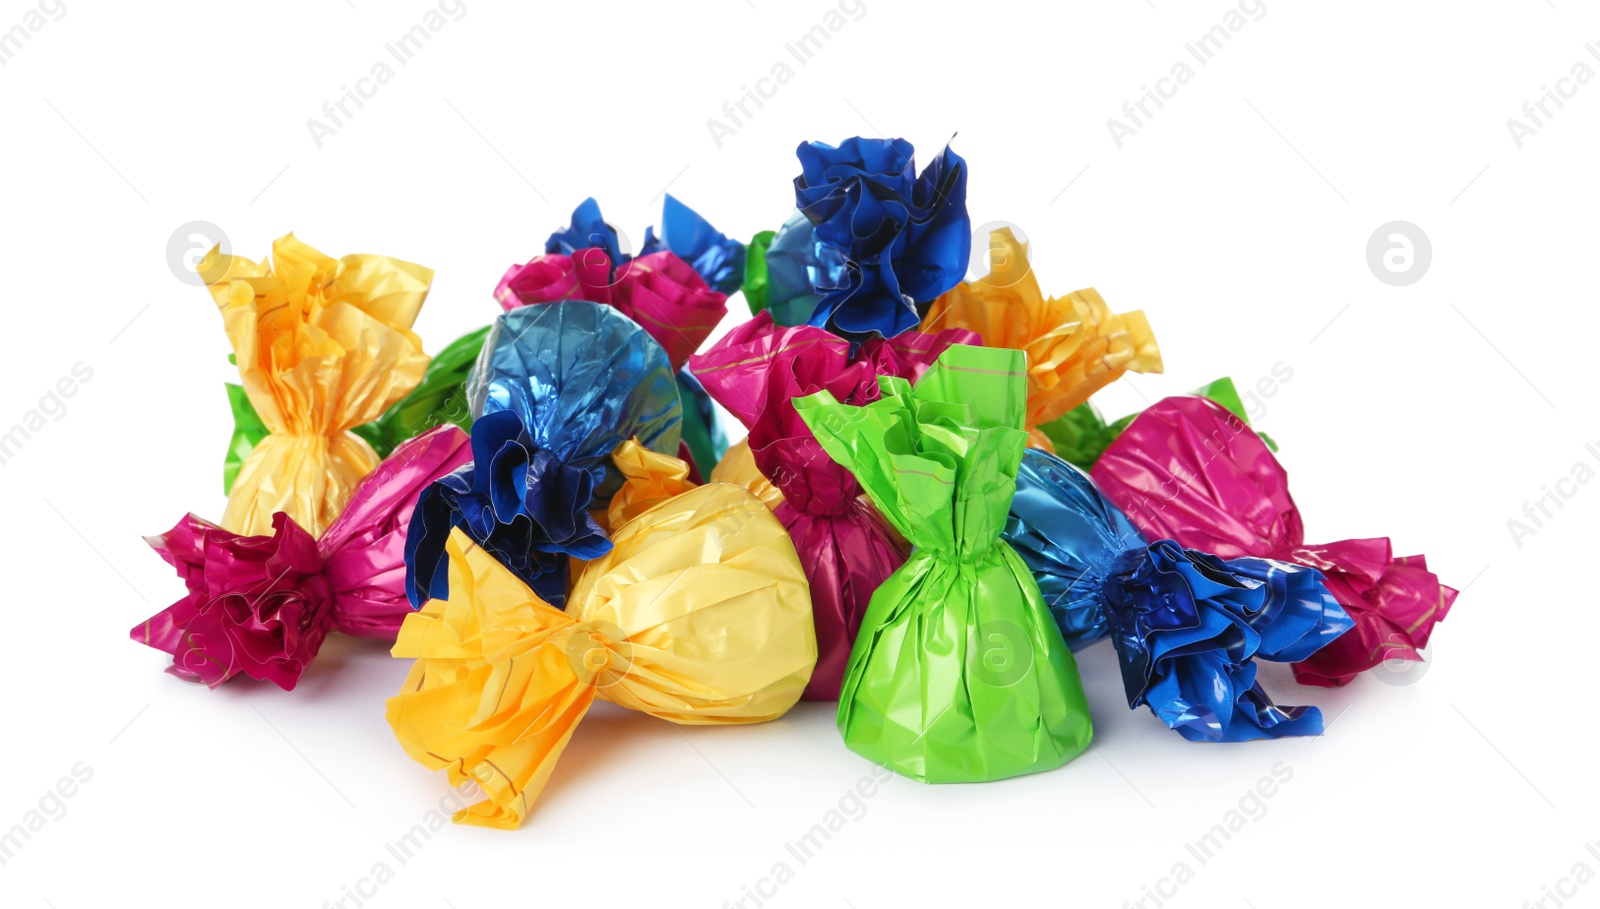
x,y
1075,344
756,371
958,674
885,238
262,605
1187,469
556,389
323,345
698,614
1187,626
716,258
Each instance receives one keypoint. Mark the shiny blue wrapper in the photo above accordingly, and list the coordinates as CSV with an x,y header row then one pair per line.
x,y
555,390
588,230
1069,535
1187,626
904,238
715,257
796,264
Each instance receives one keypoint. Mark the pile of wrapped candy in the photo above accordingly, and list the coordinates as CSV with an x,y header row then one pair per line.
x,y
926,519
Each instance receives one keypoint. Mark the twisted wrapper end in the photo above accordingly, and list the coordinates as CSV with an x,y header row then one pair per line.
x,y
699,615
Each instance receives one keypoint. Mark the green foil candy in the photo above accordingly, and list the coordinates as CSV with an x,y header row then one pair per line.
x,y
958,673
755,271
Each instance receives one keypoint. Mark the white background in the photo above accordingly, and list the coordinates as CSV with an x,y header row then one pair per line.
x,y
1237,219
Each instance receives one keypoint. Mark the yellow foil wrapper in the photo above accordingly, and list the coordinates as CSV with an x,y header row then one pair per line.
x,y
648,479
700,614
738,466
323,345
1075,344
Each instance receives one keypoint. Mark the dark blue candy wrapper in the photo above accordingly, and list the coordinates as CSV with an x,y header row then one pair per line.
x,y
897,238
556,389
715,257
1187,626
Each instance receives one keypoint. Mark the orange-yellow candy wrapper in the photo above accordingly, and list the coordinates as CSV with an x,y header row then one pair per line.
x,y
1075,344
700,614
648,479
323,345
738,466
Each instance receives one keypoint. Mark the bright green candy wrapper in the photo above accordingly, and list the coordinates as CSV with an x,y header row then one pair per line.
x,y
958,673
438,399
1083,434
755,271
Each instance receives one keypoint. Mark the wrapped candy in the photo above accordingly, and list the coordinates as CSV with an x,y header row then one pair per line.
x,y
438,399
1075,344
665,290
704,442
781,268
262,605
1187,626
1068,535
1189,470
738,467
556,389
958,674
588,230
756,371
698,615
1081,435
885,238
659,291
323,345
717,258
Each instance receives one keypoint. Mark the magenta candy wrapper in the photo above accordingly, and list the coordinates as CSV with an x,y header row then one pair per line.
x,y
1189,470
261,606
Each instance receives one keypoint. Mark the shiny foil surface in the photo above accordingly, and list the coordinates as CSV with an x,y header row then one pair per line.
x,y
556,389
1189,470
323,345
1075,344
1187,626
958,674
698,614
756,371
262,605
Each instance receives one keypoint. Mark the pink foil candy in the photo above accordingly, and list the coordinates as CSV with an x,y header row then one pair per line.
x,y
660,291
1189,470
261,606
845,546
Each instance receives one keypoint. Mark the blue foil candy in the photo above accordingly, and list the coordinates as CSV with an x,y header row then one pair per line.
x,y
1187,626
555,390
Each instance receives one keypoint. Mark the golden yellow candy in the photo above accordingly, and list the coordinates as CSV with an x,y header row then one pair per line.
x,y
700,614
738,467
323,345
1075,344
